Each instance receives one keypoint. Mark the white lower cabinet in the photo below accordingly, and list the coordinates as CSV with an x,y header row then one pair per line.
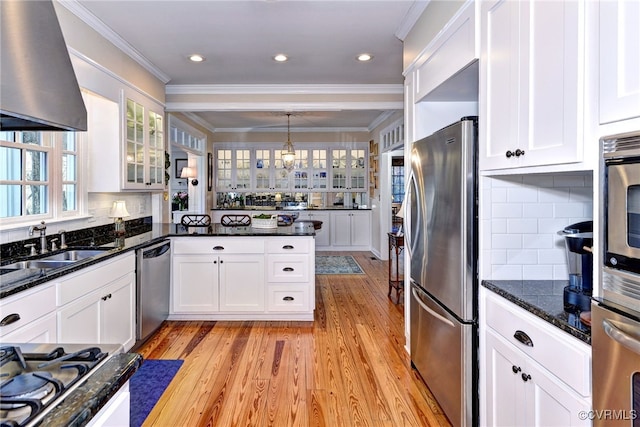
x,y
323,236
116,412
351,229
546,383
243,278
29,316
98,306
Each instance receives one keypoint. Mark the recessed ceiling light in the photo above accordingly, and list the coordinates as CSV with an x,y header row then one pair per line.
x,y
364,57
196,58
281,57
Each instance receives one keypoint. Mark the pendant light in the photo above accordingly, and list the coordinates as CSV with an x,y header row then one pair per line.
x,y
288,154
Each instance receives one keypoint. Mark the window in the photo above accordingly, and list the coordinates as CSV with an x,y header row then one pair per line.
x,y
397,179
38,175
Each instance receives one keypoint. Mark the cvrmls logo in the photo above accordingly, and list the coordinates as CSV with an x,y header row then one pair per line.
x,y
609,414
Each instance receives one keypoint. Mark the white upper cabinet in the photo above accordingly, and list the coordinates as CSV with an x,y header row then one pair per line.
x,y
531,79
126,144
233,169
619,60
349,169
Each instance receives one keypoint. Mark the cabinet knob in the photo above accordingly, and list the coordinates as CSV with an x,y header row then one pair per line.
x,y
215,262
11,318
515,369
525,377
519,152
523,338
288,299
106,297
287,269
221,261
509,154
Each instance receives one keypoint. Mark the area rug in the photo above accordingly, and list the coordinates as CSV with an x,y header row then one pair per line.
x,y
337,264
147,385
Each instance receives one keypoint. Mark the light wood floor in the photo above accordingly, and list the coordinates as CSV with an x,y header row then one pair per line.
x,y
347,368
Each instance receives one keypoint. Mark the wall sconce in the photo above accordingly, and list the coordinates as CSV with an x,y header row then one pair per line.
x,y
189,173
119,211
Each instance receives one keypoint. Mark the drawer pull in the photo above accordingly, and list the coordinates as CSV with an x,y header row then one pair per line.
x,y
525,377
11,318
288,299
218,248
106,297
515,369
287,269
523,338
287,247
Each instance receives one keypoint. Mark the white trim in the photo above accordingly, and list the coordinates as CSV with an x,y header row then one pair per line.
x,y
410,19
299,130
282,106
284,89
101,28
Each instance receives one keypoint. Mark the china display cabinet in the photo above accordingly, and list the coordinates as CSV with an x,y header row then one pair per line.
x,y
348,169
233,169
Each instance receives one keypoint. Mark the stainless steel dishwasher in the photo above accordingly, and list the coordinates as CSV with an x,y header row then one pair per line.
x,y
153,287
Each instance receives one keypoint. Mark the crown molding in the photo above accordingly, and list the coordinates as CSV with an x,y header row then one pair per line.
x,y
105,31
282,106
285,89
410,19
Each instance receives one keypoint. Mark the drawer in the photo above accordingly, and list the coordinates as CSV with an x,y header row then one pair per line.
x,y
94,277
288,268
288,297
206,245
293,245
564,356
30,305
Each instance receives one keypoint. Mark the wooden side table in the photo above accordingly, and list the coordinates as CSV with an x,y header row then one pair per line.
x,y
396,245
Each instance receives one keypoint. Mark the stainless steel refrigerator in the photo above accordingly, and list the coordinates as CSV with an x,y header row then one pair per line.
x,y
443,245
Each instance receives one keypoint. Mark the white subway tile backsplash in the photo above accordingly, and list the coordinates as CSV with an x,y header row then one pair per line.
x,y
522,226
522,215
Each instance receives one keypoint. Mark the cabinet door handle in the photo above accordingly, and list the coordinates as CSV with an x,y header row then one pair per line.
x,y
519,152
525,377
288,299
11,318
218,248
215,262
523,338
221,261
106,297
515,369
509,154
287,269
287,247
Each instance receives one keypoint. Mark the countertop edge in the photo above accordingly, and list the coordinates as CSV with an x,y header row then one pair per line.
x,y
83,403
493,286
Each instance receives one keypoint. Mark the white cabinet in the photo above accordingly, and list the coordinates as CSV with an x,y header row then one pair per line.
x,y
98,305
29,316
323,236
243,278
619,60
310,170
126,143
531,103
116,412
351,229
546,383
349,169
233,169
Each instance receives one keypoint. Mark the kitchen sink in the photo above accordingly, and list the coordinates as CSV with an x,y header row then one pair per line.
x,y
75,254
38,263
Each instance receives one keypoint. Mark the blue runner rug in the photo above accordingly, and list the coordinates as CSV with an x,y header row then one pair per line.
x,y
147,385
337,264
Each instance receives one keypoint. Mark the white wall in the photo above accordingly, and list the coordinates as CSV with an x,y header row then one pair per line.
x,y
520,217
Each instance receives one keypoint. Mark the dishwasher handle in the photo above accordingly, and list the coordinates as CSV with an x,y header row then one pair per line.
x,y
156,251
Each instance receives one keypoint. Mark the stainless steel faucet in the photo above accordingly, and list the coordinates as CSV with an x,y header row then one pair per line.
x,y
42,228
63,239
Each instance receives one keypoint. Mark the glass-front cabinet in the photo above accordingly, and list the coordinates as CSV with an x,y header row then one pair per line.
x,y
318,170
348,169
144,147
233,169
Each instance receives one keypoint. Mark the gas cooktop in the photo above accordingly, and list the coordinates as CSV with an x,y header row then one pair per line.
x,y
34,377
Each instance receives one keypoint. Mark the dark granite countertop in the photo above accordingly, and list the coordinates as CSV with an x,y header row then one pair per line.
x,y
17,281
542,298
83,403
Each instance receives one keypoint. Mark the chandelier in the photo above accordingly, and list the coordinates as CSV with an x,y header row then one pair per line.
x,y
288,153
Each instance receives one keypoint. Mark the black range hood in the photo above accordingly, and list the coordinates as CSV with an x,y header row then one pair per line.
x,y
38,87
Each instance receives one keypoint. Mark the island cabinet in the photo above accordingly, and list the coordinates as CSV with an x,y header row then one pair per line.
x,y
243,278
531,103
533,373
98,305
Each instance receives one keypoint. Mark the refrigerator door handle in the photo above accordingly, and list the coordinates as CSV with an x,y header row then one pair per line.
x,y
430,311
624,338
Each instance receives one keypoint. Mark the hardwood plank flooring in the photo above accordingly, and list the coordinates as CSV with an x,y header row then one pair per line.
x,y
347,368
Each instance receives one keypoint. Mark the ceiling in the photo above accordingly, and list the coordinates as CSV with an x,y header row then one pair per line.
x,y
239,39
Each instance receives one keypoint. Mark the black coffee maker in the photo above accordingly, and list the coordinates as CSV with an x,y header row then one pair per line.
x,y
579,242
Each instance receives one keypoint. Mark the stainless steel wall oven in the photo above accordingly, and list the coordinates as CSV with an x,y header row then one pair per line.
x,y
616,309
